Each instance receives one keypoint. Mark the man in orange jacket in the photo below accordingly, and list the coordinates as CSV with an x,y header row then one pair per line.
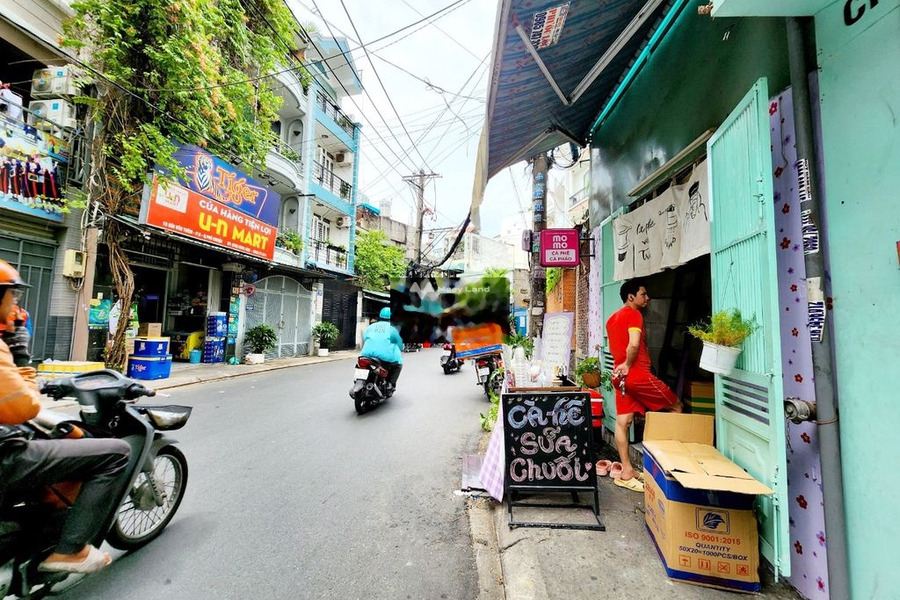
x,y
32,464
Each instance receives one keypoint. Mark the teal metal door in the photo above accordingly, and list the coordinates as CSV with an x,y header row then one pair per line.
x,y
610,303
749,402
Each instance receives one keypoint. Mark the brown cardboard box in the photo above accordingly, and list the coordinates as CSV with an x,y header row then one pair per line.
x,y
699,505
702,399
149,330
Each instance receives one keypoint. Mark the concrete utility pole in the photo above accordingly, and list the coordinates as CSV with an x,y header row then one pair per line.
x,y
539,167
418,181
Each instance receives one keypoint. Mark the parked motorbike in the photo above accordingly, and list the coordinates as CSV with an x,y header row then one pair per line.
x,y
412,347
449,361
370,384
486,371
157,472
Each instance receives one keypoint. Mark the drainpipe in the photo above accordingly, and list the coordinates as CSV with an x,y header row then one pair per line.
x,y
823,358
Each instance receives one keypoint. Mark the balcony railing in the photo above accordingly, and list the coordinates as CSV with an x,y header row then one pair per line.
x,y
331,109
323,253
577,198
288,153
328,180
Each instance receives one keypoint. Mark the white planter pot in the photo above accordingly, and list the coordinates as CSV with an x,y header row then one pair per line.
x,y
323,351
718,359
255,359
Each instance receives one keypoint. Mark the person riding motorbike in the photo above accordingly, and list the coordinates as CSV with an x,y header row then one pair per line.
x,y
16,332
30,465
382,341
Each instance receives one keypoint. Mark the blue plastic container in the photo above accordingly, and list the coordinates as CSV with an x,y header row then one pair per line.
x,y
214,350
156,367
196,356
151,347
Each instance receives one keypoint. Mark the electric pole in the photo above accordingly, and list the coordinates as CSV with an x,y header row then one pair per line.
x,y
539,167
418,181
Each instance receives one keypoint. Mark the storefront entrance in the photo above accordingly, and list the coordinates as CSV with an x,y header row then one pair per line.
x,y
34,261
286,305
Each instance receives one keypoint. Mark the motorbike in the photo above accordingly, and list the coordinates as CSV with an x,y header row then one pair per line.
x,y
489,374
449,361
370,384
30,524
412,347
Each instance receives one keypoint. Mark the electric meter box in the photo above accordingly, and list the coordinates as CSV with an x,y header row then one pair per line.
x,y
73,265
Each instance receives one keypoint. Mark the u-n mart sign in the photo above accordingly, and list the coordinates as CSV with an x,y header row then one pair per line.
x,y
559,248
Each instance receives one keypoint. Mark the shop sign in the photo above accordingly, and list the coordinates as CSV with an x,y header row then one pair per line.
x,y
559,248
556,341
547,26
32,164
177,209
214,178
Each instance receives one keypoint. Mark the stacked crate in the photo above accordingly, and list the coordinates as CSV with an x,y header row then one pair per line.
x,y
216,330
151,358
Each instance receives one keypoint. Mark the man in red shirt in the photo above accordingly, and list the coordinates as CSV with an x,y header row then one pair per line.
x,y
637,389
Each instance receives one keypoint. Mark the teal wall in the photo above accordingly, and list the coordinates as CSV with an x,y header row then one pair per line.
x,y
698,73
860,100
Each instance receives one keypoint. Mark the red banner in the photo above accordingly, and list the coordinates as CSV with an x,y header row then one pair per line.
x,y
182,211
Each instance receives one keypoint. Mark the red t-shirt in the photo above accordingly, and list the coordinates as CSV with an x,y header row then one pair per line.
x,y
617,327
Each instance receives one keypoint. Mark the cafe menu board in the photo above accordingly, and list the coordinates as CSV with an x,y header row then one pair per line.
x,y
548,440
556,341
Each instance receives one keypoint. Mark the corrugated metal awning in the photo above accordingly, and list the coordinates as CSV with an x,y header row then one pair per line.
x,y
555,66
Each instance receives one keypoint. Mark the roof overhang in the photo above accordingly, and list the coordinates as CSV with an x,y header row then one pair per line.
x,y
549,82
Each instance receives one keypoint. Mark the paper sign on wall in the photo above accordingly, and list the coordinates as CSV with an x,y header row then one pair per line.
x,y
556,341
665,232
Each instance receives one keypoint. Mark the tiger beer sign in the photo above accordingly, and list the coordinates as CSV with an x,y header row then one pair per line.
x,y
177,209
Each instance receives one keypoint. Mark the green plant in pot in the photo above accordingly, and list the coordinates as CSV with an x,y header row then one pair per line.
x,y
721,336
261,339
325,334
589,373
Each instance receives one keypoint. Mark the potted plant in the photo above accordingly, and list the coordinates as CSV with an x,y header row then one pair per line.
x,y
290,240
325,333
721,336
588,372
261,339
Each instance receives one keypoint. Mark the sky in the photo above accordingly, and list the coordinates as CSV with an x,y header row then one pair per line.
x,y
439,125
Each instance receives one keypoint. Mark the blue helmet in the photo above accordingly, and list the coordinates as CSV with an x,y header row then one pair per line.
x,y
385,314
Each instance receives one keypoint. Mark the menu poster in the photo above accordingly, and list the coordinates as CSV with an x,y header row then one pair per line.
x,y
556,341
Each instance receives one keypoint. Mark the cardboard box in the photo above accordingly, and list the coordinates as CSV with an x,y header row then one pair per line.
x,y
149,330
699,505
702,398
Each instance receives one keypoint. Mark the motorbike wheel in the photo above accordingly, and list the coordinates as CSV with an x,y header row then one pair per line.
x,y
360,402
139,520
446,370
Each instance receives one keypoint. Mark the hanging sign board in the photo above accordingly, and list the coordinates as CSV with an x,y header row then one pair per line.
x,y
185,212
547,26
559,248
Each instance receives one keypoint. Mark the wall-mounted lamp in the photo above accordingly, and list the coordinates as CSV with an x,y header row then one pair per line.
x,y
292,210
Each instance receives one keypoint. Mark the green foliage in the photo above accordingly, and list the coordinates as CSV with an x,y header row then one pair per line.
x,y
554,276
377,260
326,333
515,340
261,338
726,328
591,364
290,240
488,420
490,292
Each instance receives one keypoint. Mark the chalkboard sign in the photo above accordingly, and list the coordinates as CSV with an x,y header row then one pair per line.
x,y
549,447
548,440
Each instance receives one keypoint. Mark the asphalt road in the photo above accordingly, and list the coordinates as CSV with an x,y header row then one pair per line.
x,y
292,495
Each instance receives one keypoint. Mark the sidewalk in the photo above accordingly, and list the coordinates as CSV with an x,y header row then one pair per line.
x,y
563,564
189,374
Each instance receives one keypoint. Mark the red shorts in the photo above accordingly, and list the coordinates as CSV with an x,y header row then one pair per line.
x,y
643,392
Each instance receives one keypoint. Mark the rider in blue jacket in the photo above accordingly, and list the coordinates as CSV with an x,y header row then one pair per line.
x,y
382,340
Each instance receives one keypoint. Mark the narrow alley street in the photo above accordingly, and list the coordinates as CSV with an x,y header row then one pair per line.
x,y
292,495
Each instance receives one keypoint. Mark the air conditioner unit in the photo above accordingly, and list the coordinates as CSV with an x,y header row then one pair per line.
x,y
339,157
53,82
342,222
10,104
50,114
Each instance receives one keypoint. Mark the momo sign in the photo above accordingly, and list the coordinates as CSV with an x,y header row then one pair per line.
x,y
183,211
559,248
216,179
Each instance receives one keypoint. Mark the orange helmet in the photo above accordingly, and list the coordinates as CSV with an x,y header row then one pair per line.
x,y
9,277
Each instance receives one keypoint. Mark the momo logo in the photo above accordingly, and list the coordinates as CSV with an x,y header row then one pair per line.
x,y
718,521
